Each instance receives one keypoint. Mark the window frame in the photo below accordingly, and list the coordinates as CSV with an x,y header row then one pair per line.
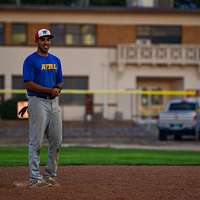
x,y
25,43
164,38
79,35
3,36
62,34
93,26
13,85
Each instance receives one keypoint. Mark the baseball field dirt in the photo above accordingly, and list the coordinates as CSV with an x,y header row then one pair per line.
x,y
107,183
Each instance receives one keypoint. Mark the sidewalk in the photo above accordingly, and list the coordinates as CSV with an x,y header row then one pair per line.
x,y
162,146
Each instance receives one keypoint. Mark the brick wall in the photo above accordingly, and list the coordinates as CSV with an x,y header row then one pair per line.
x,y
8,33
190,35
109,35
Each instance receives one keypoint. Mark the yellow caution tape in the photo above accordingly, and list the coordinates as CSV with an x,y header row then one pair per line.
x,y
17,91
119,91
143,92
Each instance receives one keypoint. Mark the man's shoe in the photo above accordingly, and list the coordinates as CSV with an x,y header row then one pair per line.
x,y
51,180
39,183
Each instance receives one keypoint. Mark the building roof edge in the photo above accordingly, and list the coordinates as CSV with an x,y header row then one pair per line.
x,y
106,9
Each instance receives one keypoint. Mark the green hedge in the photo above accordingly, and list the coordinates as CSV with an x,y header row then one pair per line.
x,y
8,109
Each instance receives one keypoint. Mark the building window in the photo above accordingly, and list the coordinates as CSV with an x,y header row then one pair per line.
x,y
88,35
144,98
74,82
160,34
157,99
151,105
2,86
19,34
154,99
148,3
74,34
140,3
59,32
1,33
18,83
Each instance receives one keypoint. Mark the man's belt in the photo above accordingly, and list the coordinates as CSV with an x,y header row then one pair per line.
x,y
45,97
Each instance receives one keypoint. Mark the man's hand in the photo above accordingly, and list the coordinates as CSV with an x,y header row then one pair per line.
x,y
55,92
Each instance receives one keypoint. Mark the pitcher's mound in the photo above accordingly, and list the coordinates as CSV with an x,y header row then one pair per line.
x,y
20,183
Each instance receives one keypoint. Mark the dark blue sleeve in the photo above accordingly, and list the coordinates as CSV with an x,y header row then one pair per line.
x,y
59,73
28,70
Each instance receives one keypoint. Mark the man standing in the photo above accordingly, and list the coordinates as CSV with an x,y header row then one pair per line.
x,y
42,75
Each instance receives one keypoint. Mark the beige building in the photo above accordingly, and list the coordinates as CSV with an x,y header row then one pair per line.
x,y
113,48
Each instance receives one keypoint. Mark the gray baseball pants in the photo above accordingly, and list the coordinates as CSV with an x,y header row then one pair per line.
x,y
44,120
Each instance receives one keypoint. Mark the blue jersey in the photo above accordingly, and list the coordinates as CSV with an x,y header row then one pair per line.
x,y
43,70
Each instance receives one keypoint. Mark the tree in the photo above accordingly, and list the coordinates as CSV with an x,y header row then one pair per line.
x,y
197,3
67,2
108,2
186,4
179,4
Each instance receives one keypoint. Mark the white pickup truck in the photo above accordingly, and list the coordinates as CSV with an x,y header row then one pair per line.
x,y
181,117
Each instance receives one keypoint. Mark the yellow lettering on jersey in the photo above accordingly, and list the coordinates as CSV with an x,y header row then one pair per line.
x,y
48,66
43,66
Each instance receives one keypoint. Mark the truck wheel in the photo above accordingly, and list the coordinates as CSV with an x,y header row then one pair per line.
x,y
198,136
162,135
197,133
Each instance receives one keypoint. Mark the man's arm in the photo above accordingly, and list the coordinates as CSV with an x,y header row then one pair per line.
x,y
60,86
30,85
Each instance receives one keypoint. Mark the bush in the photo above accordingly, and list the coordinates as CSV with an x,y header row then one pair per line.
x,y
8,109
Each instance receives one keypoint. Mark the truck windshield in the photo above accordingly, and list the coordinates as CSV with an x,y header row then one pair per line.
x,y
183,106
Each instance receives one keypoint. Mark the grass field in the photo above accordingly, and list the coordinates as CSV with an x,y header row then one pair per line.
x,y
18,156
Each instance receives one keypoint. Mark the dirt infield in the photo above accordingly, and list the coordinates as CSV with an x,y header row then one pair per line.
x,y
108,183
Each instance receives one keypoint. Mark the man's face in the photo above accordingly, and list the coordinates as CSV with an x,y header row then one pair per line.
x,y
44,44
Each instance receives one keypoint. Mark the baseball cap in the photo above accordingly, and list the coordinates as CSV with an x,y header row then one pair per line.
x,y
42,33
